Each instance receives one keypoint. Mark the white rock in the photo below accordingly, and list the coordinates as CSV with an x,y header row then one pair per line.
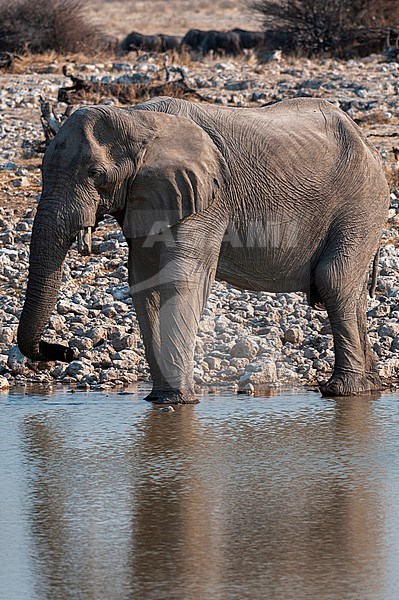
x,y
4,383
16,361
64,307
7,335
244,348
294,335
265,374
78,368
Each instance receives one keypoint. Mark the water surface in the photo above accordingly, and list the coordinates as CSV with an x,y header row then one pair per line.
x,y
105,497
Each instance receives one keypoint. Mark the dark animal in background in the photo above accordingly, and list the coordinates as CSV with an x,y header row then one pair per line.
x,y
226,43
171,42
193,39
221,42
151,43
250,40
139,41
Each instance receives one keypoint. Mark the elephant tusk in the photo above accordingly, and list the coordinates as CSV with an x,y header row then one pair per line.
x,y
84,241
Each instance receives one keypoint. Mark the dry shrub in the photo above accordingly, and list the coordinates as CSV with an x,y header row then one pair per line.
x,y
342,28
43,25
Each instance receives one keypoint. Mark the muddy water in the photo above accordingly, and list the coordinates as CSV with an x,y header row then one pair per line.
x,y
102,496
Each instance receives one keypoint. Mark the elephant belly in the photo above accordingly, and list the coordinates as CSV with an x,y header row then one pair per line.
x,y
262,269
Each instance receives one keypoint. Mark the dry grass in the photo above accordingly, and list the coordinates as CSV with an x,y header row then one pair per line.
x,y
171,16
23,62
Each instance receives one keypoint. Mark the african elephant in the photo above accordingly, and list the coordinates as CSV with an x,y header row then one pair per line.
x,y
289,197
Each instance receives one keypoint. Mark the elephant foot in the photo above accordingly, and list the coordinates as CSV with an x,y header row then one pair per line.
x,y
351,384
172,397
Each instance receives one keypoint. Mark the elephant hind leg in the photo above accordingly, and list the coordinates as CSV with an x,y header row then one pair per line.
x,y
370,361
345,301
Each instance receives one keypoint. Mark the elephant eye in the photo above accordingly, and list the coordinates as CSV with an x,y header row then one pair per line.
x,y
99,176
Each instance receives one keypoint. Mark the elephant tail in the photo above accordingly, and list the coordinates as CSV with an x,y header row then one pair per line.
x,y
374,274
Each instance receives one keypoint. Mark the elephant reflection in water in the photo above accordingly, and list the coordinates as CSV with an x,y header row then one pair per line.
x,y
123,519
275,506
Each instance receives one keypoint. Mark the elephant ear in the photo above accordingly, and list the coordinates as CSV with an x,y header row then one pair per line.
x,y
179,175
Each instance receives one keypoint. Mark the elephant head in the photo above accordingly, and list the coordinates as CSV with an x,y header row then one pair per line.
x,y
151,169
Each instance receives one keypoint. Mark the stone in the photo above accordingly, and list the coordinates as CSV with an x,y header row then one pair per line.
x,y
121,66
78,369
108,246
121,341
16,361
81,343
389,329
97,335
239,363
134,78
7,237
21,182
57,371
244,348
7,335
381,310
64,307
249,389
263,373
109,310
213,362
4,383
389,368
109,375
239,85
294,335
206,325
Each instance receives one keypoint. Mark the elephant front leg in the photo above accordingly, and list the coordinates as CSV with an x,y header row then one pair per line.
x,y
168,304
144,290
184,286
181,308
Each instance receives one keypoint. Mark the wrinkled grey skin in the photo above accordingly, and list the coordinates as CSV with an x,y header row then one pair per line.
x,y
289,197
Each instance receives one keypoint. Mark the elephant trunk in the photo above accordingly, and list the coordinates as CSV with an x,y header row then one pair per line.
x,y
47,253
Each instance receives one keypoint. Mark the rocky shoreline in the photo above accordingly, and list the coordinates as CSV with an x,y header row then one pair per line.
x,y
254,340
